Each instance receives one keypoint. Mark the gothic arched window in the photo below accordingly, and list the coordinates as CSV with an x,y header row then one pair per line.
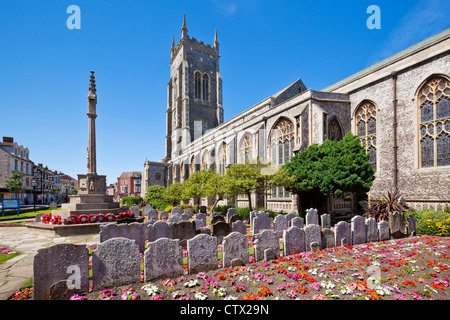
x,y
366,128
198,85
334,130
192,166
246,149
222,157
434,119
205,87
205,160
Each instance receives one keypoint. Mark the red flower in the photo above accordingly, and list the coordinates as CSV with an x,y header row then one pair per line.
x,y
110,217
83,218
72,219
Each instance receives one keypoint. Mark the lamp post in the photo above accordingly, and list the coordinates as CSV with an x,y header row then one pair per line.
x,y
34,183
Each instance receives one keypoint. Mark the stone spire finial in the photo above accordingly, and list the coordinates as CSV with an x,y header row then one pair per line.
x,y
216,42
184,29
172,50
92,88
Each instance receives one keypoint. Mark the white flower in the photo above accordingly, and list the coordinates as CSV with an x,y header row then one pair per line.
x,y
220,292
191,283
230,298
151,289
200,296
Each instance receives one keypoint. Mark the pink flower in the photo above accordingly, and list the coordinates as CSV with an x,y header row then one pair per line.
x,y
319,297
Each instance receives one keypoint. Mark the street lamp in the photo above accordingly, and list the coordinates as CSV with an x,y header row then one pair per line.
x,y
34,183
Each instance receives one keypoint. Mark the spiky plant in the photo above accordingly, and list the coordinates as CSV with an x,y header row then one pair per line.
x,y
380,208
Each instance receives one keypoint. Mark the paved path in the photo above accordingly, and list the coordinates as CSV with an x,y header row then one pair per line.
x,y
16,271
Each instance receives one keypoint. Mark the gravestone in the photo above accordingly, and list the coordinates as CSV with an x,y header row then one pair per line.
x,y
234,218
134,231
53,205
135,210
289,217
270,254
175,218
371,230
217,218
59,263
266,239
202,253
152,214
325,220
185,217
202,217
183,230
328,239
293,241
231,212
280,224
199,223
383,230
411,226
115,262
160,229
146,209
312,234
176,210
163,257
297,222
216,214
252,215
220,229
397,224
234,246
358,230
240,227
164,215
189,211
261,221
312,217
202,209
342,233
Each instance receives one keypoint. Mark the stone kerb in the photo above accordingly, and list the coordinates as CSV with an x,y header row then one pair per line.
x,y
115,262
235,246
202,253
134,231
163,257
61,262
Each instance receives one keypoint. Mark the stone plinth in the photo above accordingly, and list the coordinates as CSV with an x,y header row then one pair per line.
x,y
88,204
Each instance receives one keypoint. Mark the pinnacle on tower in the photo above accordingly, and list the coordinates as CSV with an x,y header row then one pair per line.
x,y
216,42
172,50
92,88
184,29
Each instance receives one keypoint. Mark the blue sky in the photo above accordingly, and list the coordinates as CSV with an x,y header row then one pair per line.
x,y
264,46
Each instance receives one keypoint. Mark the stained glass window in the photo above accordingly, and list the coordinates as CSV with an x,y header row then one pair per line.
x,y
334,130
198,88
205,84
366,128
246,148
434,127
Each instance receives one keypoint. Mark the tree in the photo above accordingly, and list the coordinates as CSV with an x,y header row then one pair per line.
x,y
15,183
196,186
154,194
331,168
174,193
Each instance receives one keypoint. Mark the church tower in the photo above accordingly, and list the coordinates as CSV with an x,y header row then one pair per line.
x,y
194,91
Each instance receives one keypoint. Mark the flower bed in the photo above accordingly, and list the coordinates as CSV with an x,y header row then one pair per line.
x,y
413,268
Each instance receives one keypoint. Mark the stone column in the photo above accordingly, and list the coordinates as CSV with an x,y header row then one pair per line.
x,y
92,102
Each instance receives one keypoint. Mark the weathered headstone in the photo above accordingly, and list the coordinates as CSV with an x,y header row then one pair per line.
x,y
261,221
234,218
383,230
371,230
220,229
240,227
175,218
358,227
134,231
201,216
280,224
411,226
183,230
397,224
135,210
325,220
265,239
199,223
53,205
235,246
60,262
328,239
185,217
164,215
189,211
160,229
293,241
312,217
342,231
231,212
216,214
312,234
297,222
270,254
217,218
176,210
289,217
146,209
115,262
202,253
163,257
152,214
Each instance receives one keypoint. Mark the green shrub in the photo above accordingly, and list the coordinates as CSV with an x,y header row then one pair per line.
x,y
223,209
130,201
430,222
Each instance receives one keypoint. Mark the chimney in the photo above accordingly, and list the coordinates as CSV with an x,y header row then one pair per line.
x,y
8,140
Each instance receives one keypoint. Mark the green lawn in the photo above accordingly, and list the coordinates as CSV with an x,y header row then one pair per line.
x,y
26,215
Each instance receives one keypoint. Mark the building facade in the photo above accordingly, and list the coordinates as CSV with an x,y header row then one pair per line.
x,y
399,107
129,184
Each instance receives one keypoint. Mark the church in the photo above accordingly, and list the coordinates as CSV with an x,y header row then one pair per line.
x,y
399,107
